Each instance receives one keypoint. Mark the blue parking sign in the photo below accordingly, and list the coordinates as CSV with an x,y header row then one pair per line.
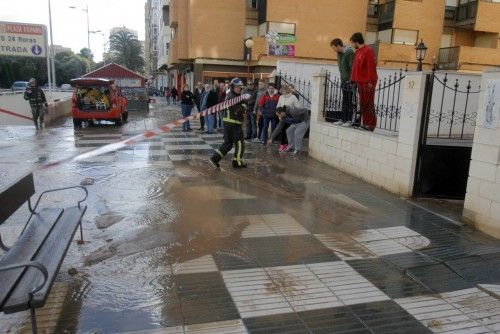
x,y
36,49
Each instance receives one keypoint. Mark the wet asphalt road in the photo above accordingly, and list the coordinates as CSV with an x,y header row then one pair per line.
x,y
172,243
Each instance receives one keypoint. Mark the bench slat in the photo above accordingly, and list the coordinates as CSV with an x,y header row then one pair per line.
x,y
25,249
50,255
16,195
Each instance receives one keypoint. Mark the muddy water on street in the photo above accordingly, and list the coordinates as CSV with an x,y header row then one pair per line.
x,y
144,219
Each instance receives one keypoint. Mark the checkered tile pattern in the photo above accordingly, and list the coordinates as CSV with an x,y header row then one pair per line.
x,y
170,146
282,278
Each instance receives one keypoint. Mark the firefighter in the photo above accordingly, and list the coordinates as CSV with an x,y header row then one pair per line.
x,y
233,118
38,102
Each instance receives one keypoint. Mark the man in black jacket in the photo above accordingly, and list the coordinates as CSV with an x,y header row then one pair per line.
x,y
210,99
233,128
198,92
38,102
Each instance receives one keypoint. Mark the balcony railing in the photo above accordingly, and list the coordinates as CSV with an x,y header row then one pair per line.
x,y
372,10
386,14
450,13
466,12
448,58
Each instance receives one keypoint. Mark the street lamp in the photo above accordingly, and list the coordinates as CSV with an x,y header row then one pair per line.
x,y
86,10
421,50
249,45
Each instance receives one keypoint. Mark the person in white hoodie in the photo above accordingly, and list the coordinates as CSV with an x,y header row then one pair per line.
x,y
287,101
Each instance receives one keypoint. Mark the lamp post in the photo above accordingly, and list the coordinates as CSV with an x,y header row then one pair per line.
x,y
86,10
249,45
421,50
50,54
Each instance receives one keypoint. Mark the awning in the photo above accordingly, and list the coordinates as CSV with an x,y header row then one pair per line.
x,y
228,75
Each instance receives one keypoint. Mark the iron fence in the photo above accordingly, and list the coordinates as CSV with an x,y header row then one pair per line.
x,y
453,112
387,101
302,87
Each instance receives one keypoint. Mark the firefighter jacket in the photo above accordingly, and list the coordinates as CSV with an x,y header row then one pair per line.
x,y
235,114
35,96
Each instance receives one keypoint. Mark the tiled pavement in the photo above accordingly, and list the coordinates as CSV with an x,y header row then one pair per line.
x,y
405,271
288,277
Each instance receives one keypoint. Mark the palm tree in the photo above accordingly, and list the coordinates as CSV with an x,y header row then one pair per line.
x,y
126,50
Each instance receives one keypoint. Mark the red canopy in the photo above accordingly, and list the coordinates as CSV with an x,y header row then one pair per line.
x,y
116,72
91,82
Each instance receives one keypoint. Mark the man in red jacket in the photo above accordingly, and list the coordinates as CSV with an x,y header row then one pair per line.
x,y
364,74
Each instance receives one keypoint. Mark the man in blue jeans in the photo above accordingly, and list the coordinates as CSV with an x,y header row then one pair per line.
x,y
268,104
210,99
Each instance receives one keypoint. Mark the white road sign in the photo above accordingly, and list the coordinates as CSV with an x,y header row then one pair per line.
x,y
22,39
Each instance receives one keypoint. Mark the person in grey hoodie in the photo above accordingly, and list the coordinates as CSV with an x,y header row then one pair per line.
x,y
297,130
299,119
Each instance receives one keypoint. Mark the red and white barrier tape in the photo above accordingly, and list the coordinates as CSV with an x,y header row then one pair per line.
x,y
148,134
15,114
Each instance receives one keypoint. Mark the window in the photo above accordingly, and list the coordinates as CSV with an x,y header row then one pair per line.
x,y
250,31
402,36
385,36
252,4
283,28
279,27
446,40
371,37
398,36
262,30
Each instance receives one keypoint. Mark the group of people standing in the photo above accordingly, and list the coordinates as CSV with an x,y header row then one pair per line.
x,y
276,116
204,97
273,116
170,93
358,75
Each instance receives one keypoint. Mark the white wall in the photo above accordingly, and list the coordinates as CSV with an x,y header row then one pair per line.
x,y
482,201
15,102
386,161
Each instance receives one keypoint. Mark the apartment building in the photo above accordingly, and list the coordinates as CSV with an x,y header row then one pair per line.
x,y
208,36
151,38
133,32
460,34
162,78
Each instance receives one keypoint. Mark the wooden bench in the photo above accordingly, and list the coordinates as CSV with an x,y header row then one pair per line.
x,y
29,267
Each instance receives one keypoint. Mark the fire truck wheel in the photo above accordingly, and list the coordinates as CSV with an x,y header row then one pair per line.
x,y
77,123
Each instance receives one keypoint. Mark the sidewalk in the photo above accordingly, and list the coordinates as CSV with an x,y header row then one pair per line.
x,y
289,245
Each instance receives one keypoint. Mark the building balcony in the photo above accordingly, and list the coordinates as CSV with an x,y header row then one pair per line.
x,y
385,12
162,61
394,55
478,15
252,17
468,58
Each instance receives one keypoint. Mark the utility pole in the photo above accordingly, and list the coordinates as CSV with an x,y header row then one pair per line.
x,y
52,51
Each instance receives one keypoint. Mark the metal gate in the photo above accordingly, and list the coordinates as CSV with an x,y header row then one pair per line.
x,y
446,135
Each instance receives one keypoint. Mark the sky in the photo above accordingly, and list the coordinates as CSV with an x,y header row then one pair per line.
x,y
70,25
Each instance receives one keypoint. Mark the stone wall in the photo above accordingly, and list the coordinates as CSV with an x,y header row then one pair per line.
x,y
384,160
482,201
